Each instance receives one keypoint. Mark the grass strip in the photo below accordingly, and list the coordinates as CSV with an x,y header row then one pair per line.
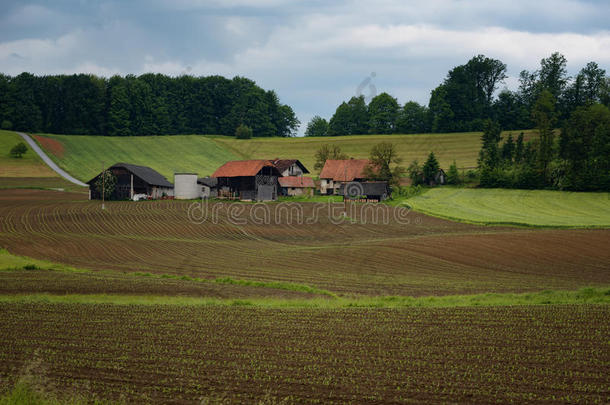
x,y
589,295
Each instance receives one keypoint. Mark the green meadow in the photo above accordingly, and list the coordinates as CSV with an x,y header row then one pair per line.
x,y
516,207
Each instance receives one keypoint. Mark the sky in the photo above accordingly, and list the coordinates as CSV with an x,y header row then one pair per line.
x,y
314,54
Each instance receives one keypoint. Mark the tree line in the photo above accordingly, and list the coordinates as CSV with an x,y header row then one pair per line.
x,y
150,104
467,98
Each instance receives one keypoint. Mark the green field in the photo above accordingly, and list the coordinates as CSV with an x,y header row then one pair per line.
x,y
83,156
516,207
29,165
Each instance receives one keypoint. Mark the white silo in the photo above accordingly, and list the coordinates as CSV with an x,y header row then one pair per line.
x,y
186,187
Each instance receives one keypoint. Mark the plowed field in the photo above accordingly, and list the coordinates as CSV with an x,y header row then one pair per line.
x,y
408,254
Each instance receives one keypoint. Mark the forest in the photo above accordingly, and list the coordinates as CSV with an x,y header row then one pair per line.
x,y
469,95
150,104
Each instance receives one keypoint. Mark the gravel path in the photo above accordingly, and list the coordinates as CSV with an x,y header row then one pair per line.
x,y
48,160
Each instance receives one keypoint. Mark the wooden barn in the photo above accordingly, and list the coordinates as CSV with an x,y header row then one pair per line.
x,y
290,167
132,180
296,185
248,180
368,191
337,172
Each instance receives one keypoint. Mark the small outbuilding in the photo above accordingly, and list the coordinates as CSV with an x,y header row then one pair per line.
x,y
368,191
255,180
296,185
132,180
209,187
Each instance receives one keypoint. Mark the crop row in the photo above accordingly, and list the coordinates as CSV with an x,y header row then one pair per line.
x,y
167,353
427,257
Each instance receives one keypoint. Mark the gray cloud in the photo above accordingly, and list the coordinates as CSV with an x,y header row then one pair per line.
x,y
314,54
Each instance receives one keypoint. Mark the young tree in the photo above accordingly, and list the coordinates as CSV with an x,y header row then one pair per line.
x,y
415,173
326,151
19,150
243,132
489,156
508,149
519,149
543,115
453,176
430,168
318,126
105,184
383,156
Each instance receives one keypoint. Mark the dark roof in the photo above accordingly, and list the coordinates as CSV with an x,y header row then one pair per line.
x,y
296,181
243,168
208,181
344,170
150,176
283,164
367,188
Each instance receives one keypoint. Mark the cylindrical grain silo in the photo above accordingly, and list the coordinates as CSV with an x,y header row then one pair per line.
x,y
186,187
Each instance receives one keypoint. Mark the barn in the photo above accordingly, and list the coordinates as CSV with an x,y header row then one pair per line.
x,y
337,172
296,185
248,180
132,180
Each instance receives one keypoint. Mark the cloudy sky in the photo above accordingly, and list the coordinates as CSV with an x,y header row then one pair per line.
x,y
313,53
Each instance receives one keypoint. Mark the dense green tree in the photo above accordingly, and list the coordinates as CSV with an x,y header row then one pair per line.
x,y
508,149
543,115
453,176
317,126
19,150
118,122
415,173
383,113
340,122
413,118
553,74
430,168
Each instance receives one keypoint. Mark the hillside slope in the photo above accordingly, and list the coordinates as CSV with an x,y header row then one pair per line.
x,y
83,156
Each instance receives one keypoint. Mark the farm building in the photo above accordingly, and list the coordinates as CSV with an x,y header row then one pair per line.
x,y
296,185
371,191
248,180
132,180
337,172
290,167
209,187
186,187
440,178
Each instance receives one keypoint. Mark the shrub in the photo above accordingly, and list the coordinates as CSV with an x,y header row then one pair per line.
x,y
6,124
243,132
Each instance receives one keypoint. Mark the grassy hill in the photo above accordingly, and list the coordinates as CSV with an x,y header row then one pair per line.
x,y
521,207
82,156
28,171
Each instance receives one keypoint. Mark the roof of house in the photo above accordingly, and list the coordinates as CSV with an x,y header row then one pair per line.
x,y
243,168
145,173
365,188
208,181
344,170
283,164
296,182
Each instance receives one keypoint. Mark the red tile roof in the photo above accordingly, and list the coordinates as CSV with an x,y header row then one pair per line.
x,y
344,170
296,181
242,168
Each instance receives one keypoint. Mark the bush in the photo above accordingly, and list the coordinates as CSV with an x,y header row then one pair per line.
x,y
19,150
243,132
6,124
